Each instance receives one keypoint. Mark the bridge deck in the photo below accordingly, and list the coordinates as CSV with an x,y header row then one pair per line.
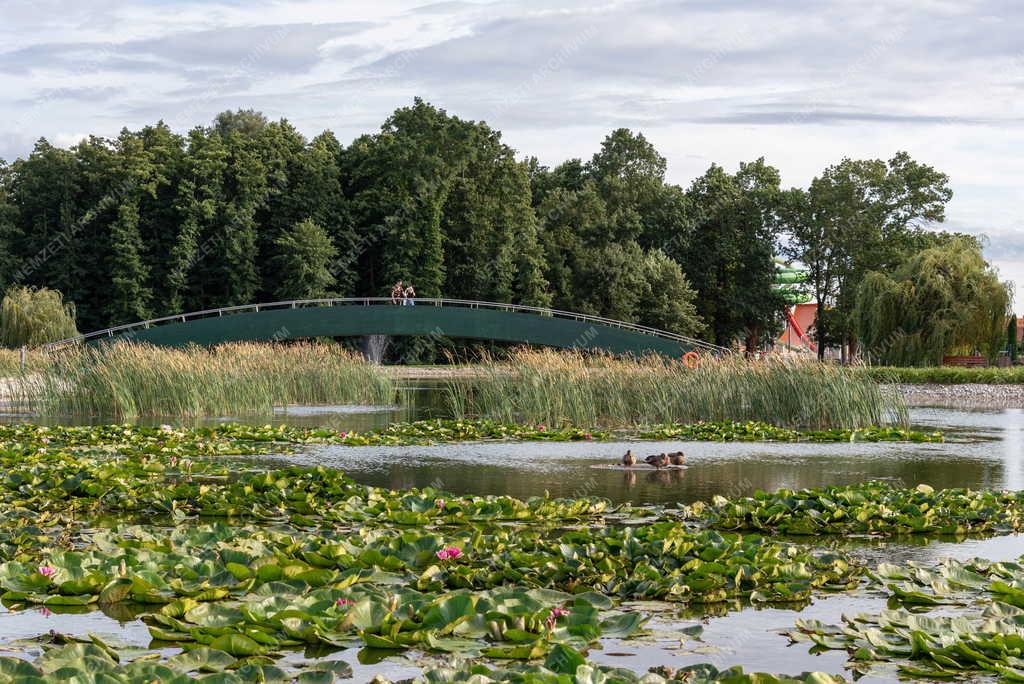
x,y
365,316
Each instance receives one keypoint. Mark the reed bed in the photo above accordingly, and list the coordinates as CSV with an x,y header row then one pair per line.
x,y
125,380
558,388
10,361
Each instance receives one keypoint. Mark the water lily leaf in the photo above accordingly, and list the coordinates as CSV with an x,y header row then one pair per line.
x,y
203,659
521,652
236,645
448,610
18,670
622,625
564,660
117,590
80,656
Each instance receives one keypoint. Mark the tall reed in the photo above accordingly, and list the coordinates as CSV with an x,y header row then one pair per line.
x,y
125,380
568,387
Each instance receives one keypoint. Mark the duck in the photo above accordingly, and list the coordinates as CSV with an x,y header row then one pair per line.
x,y
677,458
657,460
628,459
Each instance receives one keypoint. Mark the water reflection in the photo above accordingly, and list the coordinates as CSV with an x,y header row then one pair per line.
x,y
986,449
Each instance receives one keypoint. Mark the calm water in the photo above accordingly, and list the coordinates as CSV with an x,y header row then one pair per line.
x,y
985,449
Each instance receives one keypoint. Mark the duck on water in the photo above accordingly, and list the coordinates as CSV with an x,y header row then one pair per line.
x,y
675,458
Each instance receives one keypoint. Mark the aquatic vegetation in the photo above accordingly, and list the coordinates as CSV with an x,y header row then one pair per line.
x,y
756,431
238,566
126,380
305,556
565,387
565,664
878,508
95,660
985,636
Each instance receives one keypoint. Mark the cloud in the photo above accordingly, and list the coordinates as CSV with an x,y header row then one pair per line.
x,y
801,82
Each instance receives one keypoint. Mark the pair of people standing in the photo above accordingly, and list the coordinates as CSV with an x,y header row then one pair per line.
x,y
403,293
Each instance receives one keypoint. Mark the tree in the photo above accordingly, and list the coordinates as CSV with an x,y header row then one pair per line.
x,y
304,258
10,236
31,317
1011,338
670,301
729,257
135,177
940,300
859,216
629,175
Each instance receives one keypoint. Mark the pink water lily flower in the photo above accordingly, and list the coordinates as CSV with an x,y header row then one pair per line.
x,y
559,612
449,553
342,602
541,428
587,436
439,504
47,570
46,612
343,434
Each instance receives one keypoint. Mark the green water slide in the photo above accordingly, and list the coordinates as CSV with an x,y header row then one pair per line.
x,y
792,283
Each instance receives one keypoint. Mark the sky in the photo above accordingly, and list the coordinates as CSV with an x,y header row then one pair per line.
x,y
802,83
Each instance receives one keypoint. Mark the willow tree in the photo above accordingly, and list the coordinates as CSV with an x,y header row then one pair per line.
x,y
30,317
941,300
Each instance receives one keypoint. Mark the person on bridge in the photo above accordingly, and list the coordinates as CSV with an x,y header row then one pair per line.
x,y
397,292
409,295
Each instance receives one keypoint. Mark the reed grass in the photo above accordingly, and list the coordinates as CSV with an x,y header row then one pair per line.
x,y
10,361
125,380
558,388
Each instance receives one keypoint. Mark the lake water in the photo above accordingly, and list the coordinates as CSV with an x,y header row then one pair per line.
x,y
984,448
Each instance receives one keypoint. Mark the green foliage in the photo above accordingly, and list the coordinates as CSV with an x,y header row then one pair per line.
x,y
1011,338
977,633
552,388
730,255
153,223
242,567
755,431
939,301
946,375
304,258
30,317
128,380
877,508
859,216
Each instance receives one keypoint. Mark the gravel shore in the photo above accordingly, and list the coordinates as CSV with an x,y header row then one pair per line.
x,y
963,395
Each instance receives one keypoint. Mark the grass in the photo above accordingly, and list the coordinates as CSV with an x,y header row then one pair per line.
x,y
128,380
10,361
947,375
558,388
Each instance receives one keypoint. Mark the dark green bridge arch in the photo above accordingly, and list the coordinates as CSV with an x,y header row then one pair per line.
x,y
368,316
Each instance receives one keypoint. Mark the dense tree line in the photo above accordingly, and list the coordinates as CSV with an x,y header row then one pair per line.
x,y
153,223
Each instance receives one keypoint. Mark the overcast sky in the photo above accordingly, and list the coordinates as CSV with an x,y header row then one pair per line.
x,y
802,83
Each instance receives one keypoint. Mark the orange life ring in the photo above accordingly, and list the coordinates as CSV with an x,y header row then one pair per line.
x,y
691,359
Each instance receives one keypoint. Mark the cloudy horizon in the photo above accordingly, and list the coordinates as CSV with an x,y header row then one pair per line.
x,y
800,83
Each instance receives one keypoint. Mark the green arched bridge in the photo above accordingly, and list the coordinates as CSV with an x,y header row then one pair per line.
x,y
351,317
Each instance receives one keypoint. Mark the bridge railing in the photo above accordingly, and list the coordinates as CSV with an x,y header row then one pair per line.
x,y
368,301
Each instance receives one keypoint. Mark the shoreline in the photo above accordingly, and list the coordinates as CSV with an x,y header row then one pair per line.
x,y
964,395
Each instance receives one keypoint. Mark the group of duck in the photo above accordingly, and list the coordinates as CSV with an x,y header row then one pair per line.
x,y
676,458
